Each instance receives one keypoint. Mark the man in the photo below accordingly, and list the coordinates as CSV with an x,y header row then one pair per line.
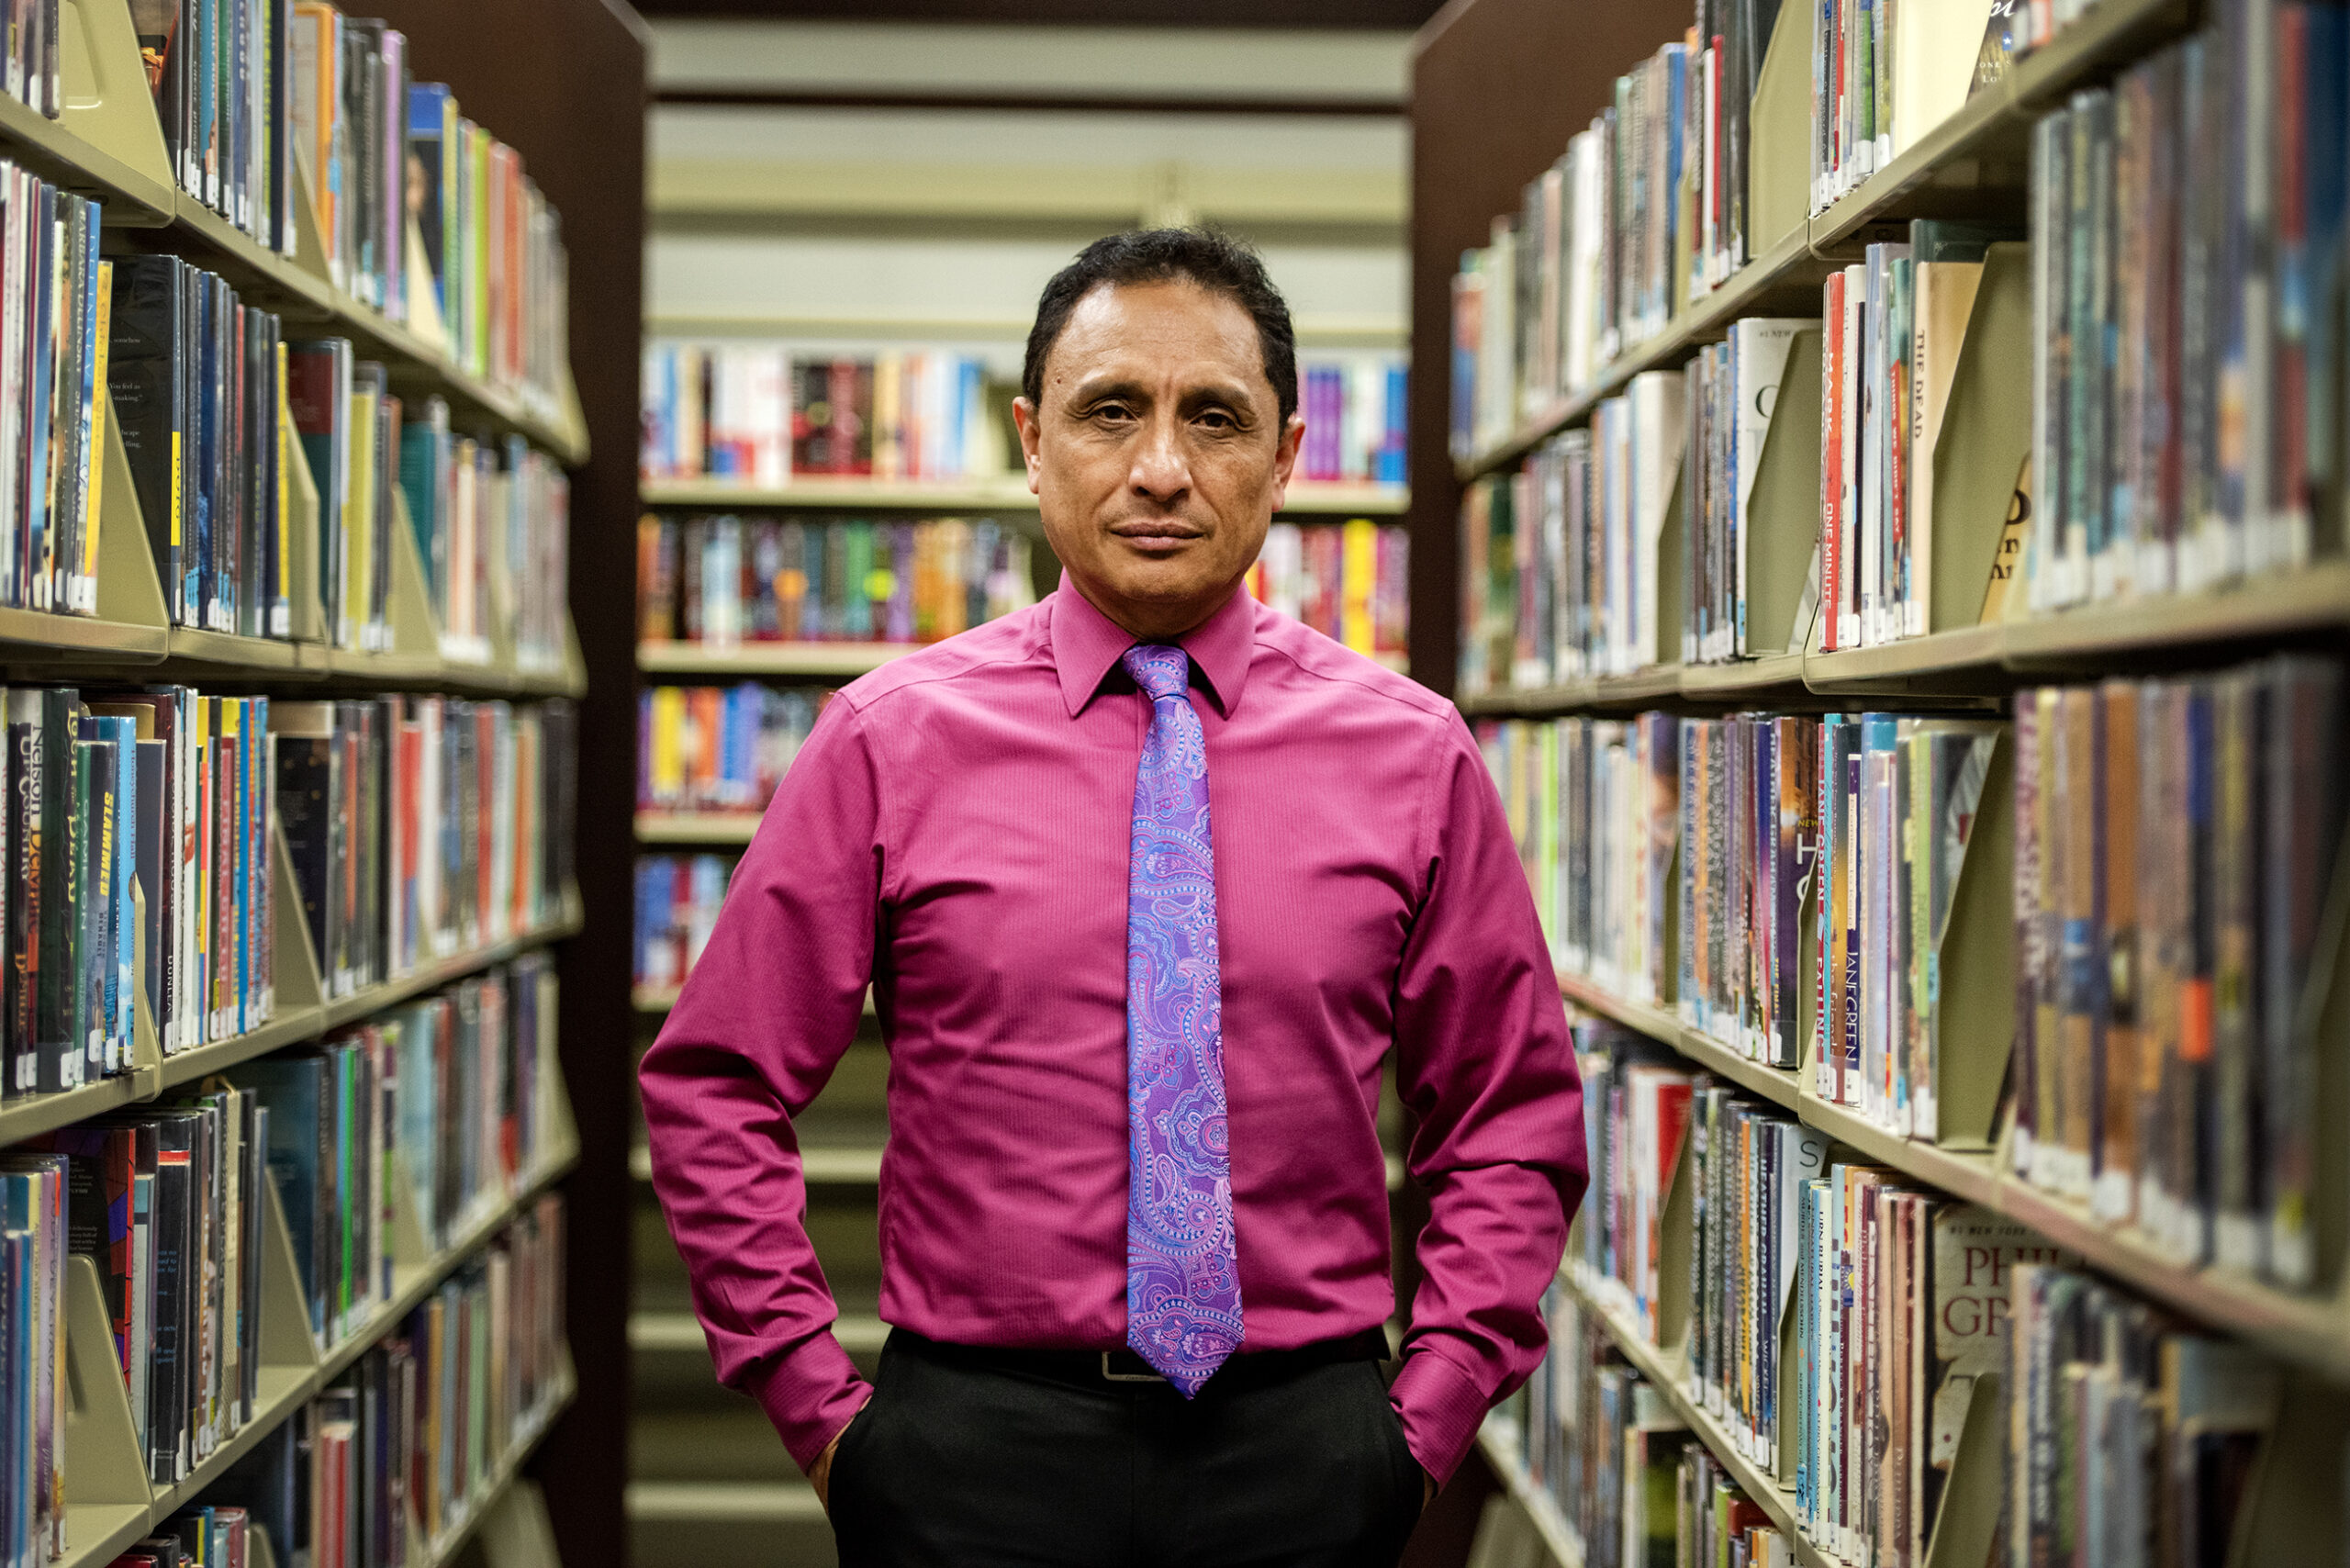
x,y
1147,882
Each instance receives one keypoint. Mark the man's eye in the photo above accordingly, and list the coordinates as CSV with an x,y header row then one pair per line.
x,y
1112,412
1216,418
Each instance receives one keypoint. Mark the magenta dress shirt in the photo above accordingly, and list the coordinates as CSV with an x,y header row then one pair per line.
x,y
954,831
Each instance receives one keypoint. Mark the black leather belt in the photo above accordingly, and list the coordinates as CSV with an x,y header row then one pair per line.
x,y
1124,1369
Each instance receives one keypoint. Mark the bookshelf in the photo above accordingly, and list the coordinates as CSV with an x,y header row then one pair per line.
x,y
108,145
1983,144
742,661
1975,163
1984,663
696,827
1005,493
1499,1443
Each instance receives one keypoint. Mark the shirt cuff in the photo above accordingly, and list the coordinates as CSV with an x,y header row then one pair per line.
x,y
1441,1408
809,1392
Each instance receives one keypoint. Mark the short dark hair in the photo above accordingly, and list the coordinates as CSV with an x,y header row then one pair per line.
x,y
1213,261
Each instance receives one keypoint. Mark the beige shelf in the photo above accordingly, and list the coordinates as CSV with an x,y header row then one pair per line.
x,y
52,150
1000,493
32,635
747,660
1500,1446
696,827
744,659
819,1166
1651,685
1312,498
291,1027
30,1115
192,645
723,1502
1740,679
354,669
1985,662
1774,1085
1003,492
1890,666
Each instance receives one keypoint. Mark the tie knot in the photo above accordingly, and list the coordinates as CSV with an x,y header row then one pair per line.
x,y
1161,671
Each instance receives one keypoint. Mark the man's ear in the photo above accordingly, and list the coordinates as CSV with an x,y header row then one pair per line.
x,y
1286,458
1024,414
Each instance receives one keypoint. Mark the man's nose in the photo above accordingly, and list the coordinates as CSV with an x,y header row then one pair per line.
x,y
1160,470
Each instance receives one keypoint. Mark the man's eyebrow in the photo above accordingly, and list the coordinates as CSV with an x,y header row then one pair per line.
x,y
1088,391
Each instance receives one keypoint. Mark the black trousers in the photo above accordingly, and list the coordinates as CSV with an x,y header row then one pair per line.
x,y
964,1462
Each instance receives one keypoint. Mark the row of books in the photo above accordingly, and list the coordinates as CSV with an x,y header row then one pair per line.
x,y
726,580
2177,842
55,306
492,522
259,101
1893,326
415,1430
2127,1439
34,1392
1561,560
1357,422
1741,867
138,830
2131,1439
30,73
1885,73
677,897
1732,391
2187,364
1647,210
1900,1308
421,827
713,748
220,76
200,1537
1351,582
350,424
1634,1486
166,1202
1635,1115
756,413
1595,808
199,383
454,1093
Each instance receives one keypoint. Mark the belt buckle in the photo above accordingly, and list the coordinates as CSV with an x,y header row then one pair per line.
x,y
1109,1376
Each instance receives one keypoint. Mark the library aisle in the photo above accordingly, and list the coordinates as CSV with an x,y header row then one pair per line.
x,y
1885,521
301,1116
1876,488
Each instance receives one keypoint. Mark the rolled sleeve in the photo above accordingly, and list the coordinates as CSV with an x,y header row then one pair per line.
x,y
1485,1065
770,1007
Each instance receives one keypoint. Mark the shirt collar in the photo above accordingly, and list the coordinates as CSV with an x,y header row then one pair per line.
x,y
1087,644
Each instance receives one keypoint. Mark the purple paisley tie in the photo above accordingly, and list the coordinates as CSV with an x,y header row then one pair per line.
x,y
1183,1286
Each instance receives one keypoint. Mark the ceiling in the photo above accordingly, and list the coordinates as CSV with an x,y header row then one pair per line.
x,y
1347,14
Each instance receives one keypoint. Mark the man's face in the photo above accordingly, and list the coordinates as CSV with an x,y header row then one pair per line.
x,y
1158,453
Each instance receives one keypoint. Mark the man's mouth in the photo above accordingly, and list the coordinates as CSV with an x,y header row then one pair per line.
x,y
1156,533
